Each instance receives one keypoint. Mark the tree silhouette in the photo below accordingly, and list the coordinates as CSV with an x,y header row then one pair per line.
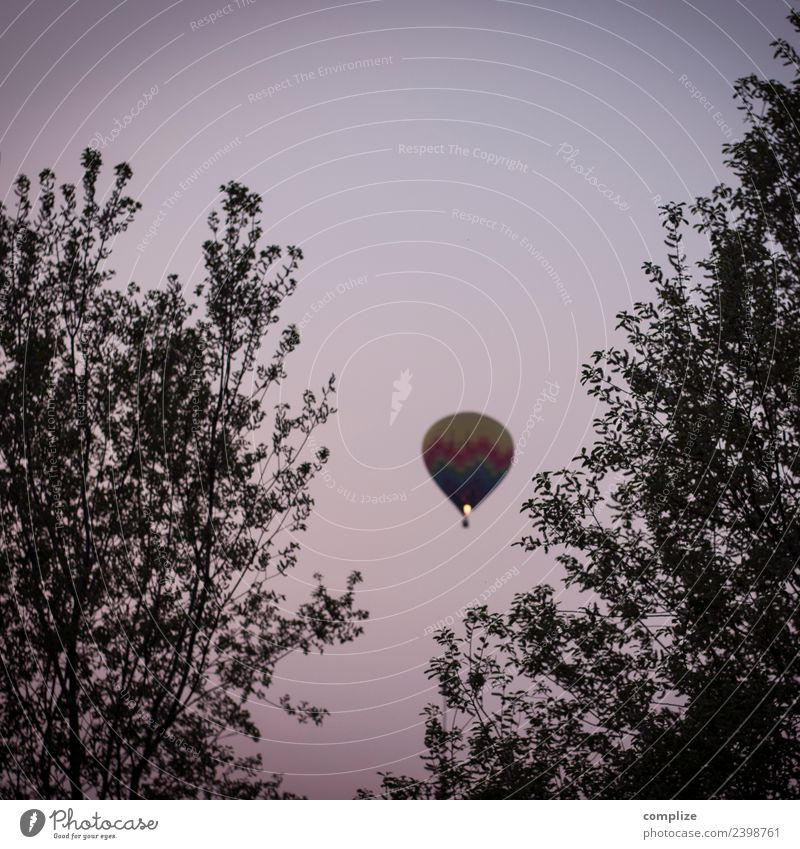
x,y
146,521
678,676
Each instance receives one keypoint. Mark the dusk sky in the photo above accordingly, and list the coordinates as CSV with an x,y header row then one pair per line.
x,y
474,185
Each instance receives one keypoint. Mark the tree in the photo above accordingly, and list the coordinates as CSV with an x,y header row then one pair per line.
x,y
146,521
678,675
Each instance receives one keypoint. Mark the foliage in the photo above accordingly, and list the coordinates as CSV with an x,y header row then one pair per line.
x,y
146,522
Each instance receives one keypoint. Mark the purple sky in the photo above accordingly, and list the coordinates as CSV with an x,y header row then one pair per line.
x,y
433,161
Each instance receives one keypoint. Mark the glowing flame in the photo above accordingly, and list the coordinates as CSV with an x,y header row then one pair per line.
x,y
467,509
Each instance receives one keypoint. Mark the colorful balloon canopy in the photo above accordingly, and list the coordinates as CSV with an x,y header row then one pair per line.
x,y
467,455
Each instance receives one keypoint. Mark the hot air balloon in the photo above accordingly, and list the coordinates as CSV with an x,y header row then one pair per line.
x,y
467,455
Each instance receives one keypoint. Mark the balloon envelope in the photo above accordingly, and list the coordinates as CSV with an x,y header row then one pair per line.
x,y
467,455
